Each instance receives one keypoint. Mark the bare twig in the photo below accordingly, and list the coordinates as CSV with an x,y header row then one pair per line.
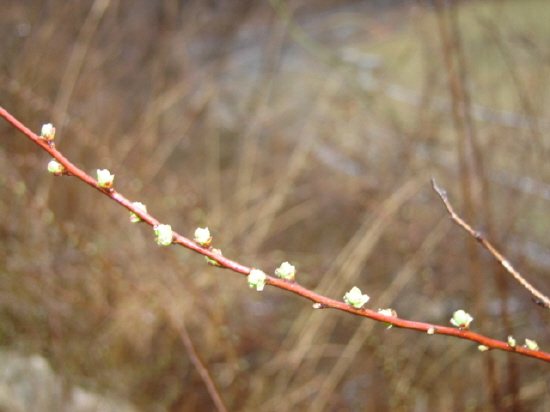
x,y
203,371
539,298
319,300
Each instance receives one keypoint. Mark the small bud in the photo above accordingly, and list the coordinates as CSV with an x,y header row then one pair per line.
x,y
430,331
55,167
105,179
48,132
531,344
483,348
257,279
387,312
212,262
318,305
286,271
355,298
511,341
164,234
461,319
141,207
202,237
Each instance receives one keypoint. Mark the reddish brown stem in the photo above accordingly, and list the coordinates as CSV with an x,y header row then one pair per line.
x,y
322,301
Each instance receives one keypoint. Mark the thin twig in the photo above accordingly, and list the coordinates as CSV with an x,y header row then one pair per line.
x,y
203,371
319,300
539,298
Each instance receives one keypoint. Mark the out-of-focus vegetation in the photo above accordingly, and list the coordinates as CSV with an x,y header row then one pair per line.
x,y
227,115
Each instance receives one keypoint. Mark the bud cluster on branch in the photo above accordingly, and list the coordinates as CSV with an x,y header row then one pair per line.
x,y
284,277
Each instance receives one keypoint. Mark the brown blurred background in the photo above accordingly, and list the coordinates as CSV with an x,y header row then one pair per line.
x,y
298,131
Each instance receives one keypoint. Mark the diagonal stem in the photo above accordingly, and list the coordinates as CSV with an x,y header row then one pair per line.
x,y
539,298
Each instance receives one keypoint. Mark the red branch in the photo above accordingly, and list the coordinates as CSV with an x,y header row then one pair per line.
x,y
321,301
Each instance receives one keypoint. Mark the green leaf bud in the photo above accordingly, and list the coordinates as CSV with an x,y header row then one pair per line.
x,y
105,179
286,271
164,234
55,167
387,312
212,262
257,279
461,319
531,344
48,132
140,206
355,298
202,237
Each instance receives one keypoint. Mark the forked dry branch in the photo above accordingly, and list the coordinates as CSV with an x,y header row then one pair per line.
x,y
461,331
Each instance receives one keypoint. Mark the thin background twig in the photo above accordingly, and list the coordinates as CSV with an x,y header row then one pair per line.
x,y
540,298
